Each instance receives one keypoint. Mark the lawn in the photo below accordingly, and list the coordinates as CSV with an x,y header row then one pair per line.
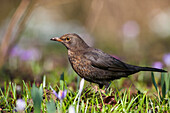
x,y
80,96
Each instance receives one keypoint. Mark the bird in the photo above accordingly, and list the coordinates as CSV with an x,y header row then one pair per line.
x,y
93,64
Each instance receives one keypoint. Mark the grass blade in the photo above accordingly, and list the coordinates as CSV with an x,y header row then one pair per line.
x,y
62,81
163,86
153,81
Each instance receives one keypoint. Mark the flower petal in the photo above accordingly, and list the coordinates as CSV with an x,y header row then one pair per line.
x,y
81,85
166,59
158,65
71,109
54,92
20,105
64,93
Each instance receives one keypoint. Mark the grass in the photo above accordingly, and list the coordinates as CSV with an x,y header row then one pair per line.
x,y
40,98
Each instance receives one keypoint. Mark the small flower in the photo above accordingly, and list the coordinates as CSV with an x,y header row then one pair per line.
x,y
166,59
81,85
16,51
79,93
18,88
25,54
61,94
20,105
71,109
131,29
158,65
30,54
160,23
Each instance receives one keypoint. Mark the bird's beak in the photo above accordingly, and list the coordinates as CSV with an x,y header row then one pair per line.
x,y
56,39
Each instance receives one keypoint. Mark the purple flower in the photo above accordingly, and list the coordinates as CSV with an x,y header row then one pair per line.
x,y
61,94
16,51
158,65
20,105
166,59
30,54
25,55
131,29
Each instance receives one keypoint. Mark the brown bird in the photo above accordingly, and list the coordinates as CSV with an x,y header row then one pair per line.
x,y
93,64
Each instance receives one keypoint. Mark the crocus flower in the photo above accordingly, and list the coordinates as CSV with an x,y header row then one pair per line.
x,y
80,90
30,54
159,23
71,109
25,54
20,105
61,94
79,93
166,59
81,85
16,51
158,65
131,29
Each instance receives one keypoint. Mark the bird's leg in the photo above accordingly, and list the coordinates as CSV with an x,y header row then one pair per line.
x,y
107,86
101,86
106,89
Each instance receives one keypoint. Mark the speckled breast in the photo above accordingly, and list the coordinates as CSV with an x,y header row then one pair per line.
x,y
81,66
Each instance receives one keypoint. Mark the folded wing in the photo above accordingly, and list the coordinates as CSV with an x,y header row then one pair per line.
x,y
104,61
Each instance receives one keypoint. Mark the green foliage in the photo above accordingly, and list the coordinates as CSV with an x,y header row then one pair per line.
x,y
51,107
36,94
92,100
165,85
62,82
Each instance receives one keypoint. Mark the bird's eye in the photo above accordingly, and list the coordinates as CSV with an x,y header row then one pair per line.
x,y
67,38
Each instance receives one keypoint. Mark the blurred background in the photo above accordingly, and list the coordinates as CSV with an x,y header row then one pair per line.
x,y
135,31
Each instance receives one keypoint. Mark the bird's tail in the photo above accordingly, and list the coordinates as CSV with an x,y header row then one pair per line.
x,y
151,69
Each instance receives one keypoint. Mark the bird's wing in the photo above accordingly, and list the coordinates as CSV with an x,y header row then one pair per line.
x,y
104,61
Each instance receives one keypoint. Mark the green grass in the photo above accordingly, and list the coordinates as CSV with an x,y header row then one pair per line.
x,y
40,98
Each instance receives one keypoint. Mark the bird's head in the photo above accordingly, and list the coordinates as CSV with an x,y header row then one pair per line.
x,y
71,41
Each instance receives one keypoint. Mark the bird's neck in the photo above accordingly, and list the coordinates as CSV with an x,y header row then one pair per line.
x,y
77,50
81,47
